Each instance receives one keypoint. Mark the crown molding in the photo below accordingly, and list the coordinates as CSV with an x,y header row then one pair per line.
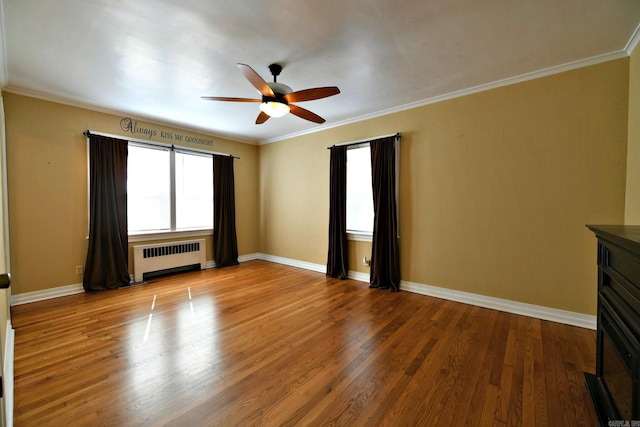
x,y
464,92
74,102
633,41
4,73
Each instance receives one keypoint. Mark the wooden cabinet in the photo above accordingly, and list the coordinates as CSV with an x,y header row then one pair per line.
x,y
614,388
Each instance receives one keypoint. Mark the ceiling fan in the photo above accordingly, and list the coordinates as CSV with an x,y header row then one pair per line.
x,y
277,98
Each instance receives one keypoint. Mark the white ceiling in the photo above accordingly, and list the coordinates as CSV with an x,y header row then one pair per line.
x,y
153,59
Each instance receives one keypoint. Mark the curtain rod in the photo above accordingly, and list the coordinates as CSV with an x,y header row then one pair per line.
x,y
88,133
365,140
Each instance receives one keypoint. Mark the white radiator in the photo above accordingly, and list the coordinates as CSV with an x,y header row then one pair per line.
x,y
162,256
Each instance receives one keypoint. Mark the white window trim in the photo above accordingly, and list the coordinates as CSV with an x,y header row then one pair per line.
x,y
160,235
359,236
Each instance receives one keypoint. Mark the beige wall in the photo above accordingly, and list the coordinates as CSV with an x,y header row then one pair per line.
x,y
632,208
47,174
495,187
5,294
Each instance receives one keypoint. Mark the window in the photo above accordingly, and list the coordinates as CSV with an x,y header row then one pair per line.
x,y
359,191
168,190
194,191
148,189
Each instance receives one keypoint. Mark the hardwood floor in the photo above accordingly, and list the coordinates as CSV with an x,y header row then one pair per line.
x,y
267,344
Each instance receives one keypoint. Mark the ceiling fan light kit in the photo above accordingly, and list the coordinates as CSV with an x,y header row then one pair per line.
x,y
277,97
274,108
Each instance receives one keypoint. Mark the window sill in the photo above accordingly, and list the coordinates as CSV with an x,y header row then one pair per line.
x,y
160,235
360,236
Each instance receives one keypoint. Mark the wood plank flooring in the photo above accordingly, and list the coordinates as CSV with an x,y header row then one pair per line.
x,y
271,345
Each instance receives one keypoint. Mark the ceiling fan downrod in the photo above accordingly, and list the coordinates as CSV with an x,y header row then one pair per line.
x,y
275,69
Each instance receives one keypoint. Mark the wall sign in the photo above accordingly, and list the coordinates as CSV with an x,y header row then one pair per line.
x,y
131,126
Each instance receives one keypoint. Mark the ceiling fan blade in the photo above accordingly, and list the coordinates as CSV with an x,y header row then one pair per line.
x,y
305,114
311,94
224,98
262,117
255,79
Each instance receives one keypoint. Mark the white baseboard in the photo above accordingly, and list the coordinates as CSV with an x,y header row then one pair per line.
x,y
536,311
540,312
320,268
248,257
529,310
60,291
241,259
7,373
361,277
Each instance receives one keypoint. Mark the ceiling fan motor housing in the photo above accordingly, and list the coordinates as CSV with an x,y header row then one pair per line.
x,y
280,90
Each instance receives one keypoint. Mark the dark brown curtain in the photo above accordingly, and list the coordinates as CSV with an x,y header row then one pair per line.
x,y
107,264
385,253
225,243
338,256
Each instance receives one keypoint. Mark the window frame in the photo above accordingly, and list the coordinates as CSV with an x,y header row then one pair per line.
x,y
174,227
157,234
140,236
162,149
358,235
362,236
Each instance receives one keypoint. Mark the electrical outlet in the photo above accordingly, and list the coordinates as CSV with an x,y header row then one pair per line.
x,y
366,261
79,269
